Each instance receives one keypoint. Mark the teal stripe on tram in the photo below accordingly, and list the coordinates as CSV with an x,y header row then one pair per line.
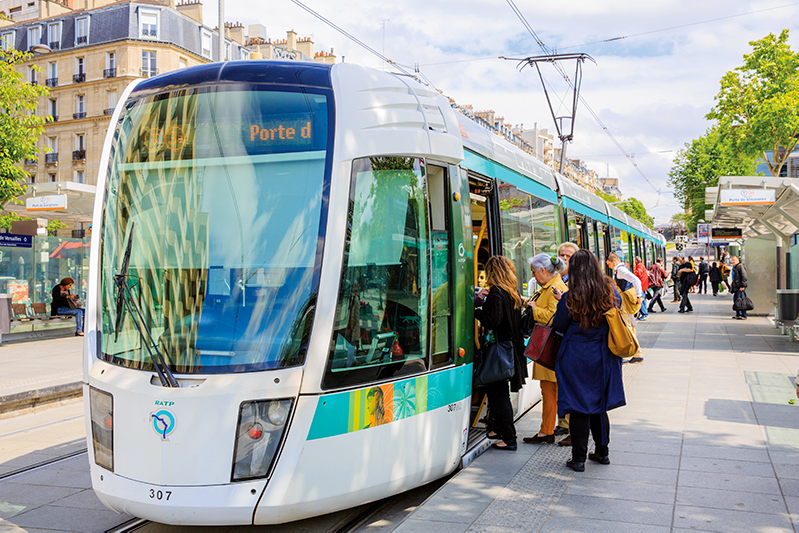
x,y
491,169
619,224
345,412
584,209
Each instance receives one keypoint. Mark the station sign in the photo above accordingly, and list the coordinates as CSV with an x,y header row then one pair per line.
x,y
747,196
52,202
11,240
726,234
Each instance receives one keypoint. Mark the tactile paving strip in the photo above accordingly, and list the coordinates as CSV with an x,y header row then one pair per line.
x,y
527,501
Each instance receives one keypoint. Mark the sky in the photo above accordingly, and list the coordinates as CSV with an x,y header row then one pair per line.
x,y
651,90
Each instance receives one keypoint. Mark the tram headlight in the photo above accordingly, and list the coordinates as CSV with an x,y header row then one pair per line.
x,y
101,407
258,436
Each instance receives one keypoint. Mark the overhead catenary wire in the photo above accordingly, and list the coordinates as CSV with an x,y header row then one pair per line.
x,y
591,112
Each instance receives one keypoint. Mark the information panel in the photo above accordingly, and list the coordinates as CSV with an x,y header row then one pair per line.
x,y
726,234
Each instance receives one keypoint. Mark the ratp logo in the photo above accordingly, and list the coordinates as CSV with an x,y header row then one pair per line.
x,y
163,423
747,193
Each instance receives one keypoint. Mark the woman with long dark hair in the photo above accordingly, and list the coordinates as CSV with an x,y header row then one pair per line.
x,y
501,313
589,375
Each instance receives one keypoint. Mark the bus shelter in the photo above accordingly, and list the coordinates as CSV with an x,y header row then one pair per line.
x,y
766,211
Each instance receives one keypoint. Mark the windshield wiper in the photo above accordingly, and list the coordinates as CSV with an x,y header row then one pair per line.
x,y
124,301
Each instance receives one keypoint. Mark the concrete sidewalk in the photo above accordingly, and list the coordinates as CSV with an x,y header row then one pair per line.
x,y
707,442
36,372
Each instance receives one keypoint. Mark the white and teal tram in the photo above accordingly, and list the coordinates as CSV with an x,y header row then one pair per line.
x,y
280,321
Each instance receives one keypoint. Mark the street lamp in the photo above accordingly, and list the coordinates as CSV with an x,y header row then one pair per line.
x,y
41,49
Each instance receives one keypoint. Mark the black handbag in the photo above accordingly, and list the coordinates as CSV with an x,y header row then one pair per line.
x,y
744,303
495,362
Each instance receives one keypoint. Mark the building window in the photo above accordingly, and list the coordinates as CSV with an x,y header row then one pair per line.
x,y
148,23
207,42
227,51
80,176
54,35
80,141
80,70
7,41
112,103
80,106
245,54
34,36
110,65
181,63
149,66
52,74
53,177
53,109
81,31
32,75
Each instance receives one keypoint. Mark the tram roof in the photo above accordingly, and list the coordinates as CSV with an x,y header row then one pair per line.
x,y
250,71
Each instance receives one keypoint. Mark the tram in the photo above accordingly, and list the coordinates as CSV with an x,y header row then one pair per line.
x,y
280,321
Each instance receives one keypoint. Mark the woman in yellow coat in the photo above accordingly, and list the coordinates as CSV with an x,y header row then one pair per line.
x,y
546,270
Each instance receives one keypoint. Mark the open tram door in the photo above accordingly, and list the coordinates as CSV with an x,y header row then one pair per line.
x,y
485,243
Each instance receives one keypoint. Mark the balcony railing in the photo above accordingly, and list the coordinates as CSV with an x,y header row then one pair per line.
x,y
148,72
34,82
53,118
77,78
31,161
82,114
82,40
51,157
56,45
151,32
108,111
79,155
110,73
52,82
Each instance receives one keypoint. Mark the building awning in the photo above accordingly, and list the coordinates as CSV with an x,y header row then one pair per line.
x,y
758,205
79,200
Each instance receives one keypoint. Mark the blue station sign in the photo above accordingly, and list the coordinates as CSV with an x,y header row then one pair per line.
x,y
16,241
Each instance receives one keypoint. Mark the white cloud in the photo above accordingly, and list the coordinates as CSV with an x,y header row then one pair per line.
x,y
651,91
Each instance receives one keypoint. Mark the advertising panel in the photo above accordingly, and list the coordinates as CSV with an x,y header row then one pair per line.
x,y
703,233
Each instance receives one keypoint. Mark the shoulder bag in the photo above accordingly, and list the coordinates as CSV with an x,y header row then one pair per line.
x,y
543,345
622,340
495,361
744,303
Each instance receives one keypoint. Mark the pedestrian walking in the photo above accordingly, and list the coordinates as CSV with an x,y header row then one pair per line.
x,y
657,278
687,281
703,272
675,278
501,313
739,284
715,278
692,288
546,270
726,270
640,271
588,373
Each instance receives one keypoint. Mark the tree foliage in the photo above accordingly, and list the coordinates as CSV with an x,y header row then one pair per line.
x,y
700,164
757,108
6,218
632,207
20,127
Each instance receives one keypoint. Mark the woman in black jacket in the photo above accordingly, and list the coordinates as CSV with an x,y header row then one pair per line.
x,y
60,304
715,278
501,313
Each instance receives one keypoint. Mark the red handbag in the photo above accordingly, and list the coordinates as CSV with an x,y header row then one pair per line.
x,y
543,346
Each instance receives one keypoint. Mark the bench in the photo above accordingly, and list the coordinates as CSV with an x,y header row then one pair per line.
x,y
35,314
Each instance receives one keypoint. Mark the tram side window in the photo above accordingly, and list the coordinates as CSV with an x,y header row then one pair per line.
x,y
618,240
589,223
600,239
517,229
574,227
380,323
546,226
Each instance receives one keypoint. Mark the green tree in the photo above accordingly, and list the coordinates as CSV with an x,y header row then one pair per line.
x,y
757,108
609,198
20,127
700,164
6,218
634,208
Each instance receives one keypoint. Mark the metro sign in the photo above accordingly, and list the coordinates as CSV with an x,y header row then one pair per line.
x,y
747,196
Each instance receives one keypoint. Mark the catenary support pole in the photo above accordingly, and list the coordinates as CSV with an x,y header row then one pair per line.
x,y
221,49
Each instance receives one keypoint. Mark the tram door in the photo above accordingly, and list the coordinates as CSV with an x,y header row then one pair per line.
x,y
440,267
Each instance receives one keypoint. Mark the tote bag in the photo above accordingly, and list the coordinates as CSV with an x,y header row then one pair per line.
x,y
622,340
744,303
493,363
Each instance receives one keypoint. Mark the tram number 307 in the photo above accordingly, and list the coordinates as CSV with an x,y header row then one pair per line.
x,y
160,494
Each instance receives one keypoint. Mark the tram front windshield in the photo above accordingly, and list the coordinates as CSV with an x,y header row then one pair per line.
x,y
223,189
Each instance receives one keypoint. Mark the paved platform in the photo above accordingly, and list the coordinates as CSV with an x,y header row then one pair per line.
x,y
707,442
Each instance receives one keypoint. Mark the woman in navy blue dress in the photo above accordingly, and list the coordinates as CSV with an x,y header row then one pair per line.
x,y
589,375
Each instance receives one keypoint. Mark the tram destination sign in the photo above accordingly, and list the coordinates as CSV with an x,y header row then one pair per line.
x,y
747,196
726,234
